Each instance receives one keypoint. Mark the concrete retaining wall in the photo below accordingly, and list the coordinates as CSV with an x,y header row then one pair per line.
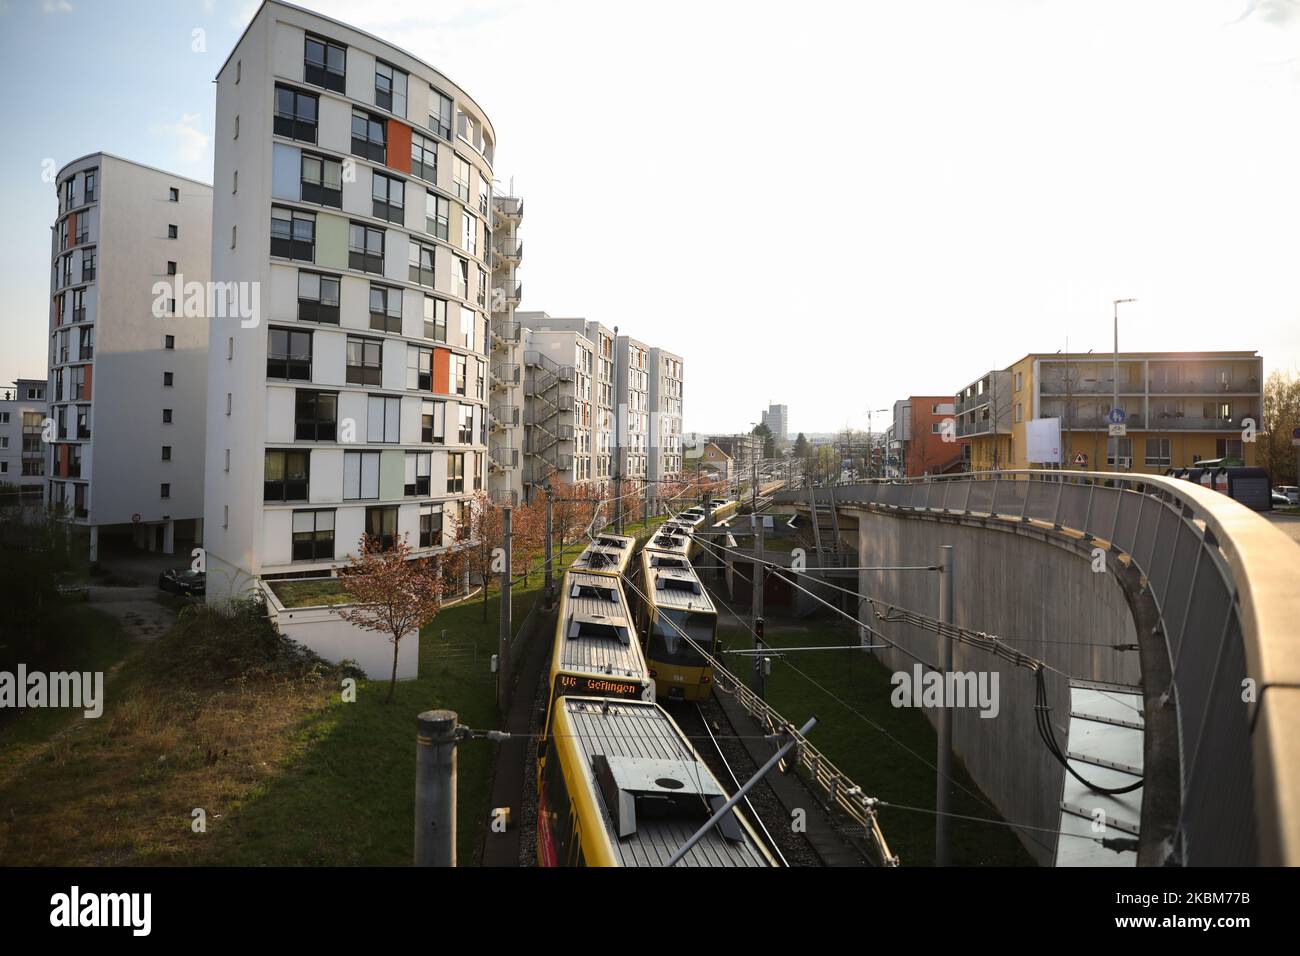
x,y
1043,599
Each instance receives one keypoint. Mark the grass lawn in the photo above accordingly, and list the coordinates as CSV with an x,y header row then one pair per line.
x,y
286,772
873,761
312,592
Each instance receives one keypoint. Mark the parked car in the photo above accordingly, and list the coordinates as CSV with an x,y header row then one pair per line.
x,y
183,581
1292,493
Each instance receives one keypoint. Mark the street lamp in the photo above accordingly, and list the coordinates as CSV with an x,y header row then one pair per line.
x,y
1114,380
871,441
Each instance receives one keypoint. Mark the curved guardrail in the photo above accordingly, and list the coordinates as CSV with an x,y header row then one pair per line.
x,y
1227,586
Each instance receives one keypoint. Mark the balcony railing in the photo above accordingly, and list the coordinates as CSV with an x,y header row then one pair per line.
x,y
1204,387
505,373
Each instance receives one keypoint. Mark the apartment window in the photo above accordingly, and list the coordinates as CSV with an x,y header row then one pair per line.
x,y
478,470
482,288
360,475
468,234
83,230
460,178
417,473
322,180
1019,412
1158,452
313,535
173,194
164,490
91,177
458,371
419,368
236,136
172,231
63,235
168,379
169,341
1018,380
480,379
455,473
74,461
1229,448
166,452
87,265
318,298
167,415
63,341
285,475
365,248
424,158
234,181
433,423
383,419
390,88
364,361
468,324
435,319
78,382
462,278
437,215
325,64
83,421
315,416
385,308
239,71
293,234
440,110
430,526
420,263
171,267
484,196
67,270
389,197
295,114
368,139
288,354
381,525
466,435
68,200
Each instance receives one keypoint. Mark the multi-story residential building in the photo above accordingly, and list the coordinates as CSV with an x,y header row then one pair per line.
x,y
1179,408
777,420
632,400
22,454
983,420
505,409
128,351
355,185
559,368
917,442
601,340
665,415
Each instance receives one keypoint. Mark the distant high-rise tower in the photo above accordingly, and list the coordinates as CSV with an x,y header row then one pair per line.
x,y
776,418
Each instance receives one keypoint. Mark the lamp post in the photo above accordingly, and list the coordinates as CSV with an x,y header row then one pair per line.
x,y
871,440
1114,379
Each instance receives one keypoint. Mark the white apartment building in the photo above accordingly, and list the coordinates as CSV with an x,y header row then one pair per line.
x,y
355,192
559,395
130,256
602,342
22,455
632,373
505,407
666,415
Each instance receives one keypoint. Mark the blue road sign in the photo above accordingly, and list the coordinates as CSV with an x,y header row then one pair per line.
x,y
1116,416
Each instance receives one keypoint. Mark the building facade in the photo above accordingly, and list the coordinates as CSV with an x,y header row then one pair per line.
x,y
632,398
355,185
559,368
665,397
917,442
777,420
505,407
22,453
1178,408
130,255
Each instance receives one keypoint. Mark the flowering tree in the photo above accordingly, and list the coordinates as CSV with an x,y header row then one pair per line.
x,y
394,593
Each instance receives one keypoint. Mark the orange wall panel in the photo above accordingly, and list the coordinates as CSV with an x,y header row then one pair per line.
x,y
72,228
399,146
442,371
63,461
89,370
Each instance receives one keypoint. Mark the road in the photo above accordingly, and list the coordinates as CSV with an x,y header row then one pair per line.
x,y
1288,523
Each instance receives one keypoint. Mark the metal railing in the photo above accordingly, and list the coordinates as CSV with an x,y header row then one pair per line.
x,y
1226,587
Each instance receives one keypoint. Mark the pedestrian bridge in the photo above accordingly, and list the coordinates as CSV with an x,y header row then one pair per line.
x,y
1197,606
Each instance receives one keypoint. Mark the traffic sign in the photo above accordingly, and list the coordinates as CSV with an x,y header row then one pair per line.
x,y
1081,460
1116,416
1117,431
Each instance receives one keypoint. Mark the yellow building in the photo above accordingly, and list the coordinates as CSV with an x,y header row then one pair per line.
x,y
1180,408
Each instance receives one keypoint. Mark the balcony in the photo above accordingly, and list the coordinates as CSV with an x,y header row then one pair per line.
x,y
505,334
510,249
510,208
514,292
503,416
503,458
504,374
1247,386
504,497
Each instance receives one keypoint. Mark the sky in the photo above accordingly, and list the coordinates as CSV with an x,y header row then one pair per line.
x,y
828,205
